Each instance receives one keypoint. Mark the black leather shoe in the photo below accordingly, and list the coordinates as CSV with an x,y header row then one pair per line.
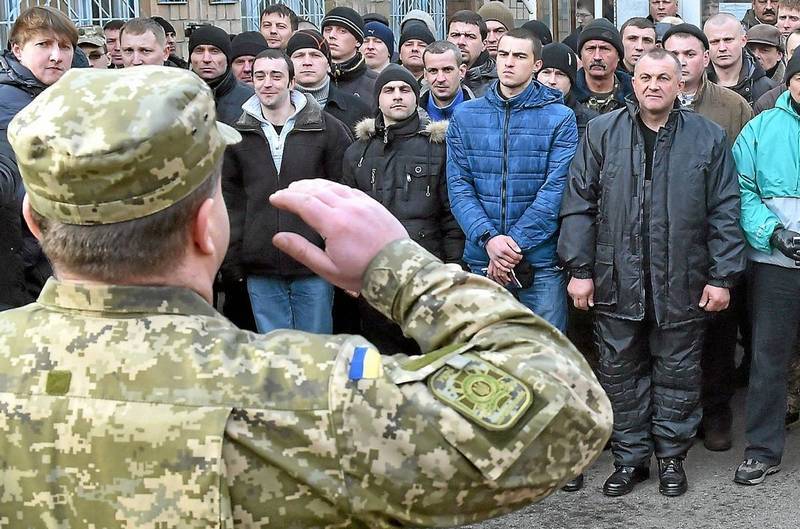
x,y
573,485
624,479
671,477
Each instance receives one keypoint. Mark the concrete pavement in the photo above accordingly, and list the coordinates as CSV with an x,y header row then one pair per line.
x,y
713,500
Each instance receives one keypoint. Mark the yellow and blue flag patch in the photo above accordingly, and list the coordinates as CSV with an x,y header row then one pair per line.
x,y
365,363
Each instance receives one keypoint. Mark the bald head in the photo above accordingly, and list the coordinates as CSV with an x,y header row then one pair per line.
x,y
725,20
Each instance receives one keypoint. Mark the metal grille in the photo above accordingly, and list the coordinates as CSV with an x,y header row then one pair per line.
x,y
82,12
313,10
436,8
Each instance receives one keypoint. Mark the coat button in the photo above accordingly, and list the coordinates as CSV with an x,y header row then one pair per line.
x,y
418,169
421,235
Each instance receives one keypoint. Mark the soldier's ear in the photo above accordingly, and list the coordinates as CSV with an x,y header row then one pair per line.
x,y
203,227
29,220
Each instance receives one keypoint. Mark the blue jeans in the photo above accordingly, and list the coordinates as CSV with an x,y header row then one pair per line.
x,y
546,297
303,303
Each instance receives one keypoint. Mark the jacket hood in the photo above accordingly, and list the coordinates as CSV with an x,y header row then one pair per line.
x,y
367,129
12,72
535,95
310,116
785,104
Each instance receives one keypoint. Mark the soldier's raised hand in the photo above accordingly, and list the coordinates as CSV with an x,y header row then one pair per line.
x,y
354,226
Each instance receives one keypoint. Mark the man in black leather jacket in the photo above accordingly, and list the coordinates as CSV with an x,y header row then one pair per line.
x,y
650,236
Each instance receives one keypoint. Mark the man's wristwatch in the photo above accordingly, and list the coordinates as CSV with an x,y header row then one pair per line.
x,y
484,239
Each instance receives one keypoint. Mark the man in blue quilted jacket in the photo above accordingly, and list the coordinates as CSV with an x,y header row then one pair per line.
x,y
507,159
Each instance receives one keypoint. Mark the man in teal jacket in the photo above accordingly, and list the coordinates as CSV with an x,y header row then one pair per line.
x,y
768,161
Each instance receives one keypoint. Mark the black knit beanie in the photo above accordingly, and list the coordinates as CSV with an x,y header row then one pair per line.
x,y
347,18
308,38
416,31
792,68
395,72
211,36
540,30
164,23
561,57
247,43
601,29
375,17
688,29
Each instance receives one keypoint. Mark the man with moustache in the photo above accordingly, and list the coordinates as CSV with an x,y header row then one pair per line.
x,y
761,12
651,247
732,66
444,72
730,111
600,85
244,49
638,37
286,137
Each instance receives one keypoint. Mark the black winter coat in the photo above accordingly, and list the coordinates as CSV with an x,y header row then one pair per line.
x,y
403,168
13,292
18,87
753,81
313,149
694,220
230,95
582,113
347,108
353,77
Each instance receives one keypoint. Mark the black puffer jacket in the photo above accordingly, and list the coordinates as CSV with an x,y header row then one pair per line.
x,y
753,81
345,107
18,87
230,95
355,78
313,149
403,167
482,74
694,221
13,292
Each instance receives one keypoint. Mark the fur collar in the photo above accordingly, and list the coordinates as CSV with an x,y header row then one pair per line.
x,y
435,130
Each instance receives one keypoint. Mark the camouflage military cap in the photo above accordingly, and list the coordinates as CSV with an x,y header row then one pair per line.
x,y
92,35
106,146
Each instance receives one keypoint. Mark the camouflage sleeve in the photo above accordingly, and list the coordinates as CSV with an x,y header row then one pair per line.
x,y
500,414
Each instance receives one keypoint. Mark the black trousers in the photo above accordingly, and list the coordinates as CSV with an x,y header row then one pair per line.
x,y
776,316
652,377
719,352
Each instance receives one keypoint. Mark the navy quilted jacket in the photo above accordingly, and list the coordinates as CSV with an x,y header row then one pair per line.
x,y
507,163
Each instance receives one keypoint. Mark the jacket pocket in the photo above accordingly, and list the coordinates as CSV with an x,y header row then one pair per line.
x,y
605,292
418,181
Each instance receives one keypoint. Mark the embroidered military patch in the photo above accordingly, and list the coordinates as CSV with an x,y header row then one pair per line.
x,y
483,393
365,363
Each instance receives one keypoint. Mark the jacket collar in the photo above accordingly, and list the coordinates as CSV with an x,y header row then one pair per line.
x,y
535,95
624,86
309,117
223,84
426,94
350,69
751,71
784,103
14,73
119,299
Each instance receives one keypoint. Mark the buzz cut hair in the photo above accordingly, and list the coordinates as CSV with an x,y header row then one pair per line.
x,y
794,5
282,10
142,25
443,46
659,54
522,33
721,19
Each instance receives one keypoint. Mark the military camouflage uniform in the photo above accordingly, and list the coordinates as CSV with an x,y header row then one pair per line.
x,y
141,407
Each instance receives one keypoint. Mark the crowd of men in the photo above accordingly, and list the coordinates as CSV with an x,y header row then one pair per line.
x,y
648,175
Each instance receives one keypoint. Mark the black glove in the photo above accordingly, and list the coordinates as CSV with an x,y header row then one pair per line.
x,y
787,242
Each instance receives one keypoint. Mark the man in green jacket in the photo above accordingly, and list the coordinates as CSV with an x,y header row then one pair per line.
x,y
766,154
127,401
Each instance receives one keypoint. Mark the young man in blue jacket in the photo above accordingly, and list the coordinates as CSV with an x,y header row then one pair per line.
x,y
507,159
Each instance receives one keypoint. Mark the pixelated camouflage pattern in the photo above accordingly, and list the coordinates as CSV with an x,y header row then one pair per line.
x,y
92,35
174,418
106,146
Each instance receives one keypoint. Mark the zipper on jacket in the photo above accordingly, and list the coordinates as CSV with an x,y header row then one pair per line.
x,y
504,176
372,180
